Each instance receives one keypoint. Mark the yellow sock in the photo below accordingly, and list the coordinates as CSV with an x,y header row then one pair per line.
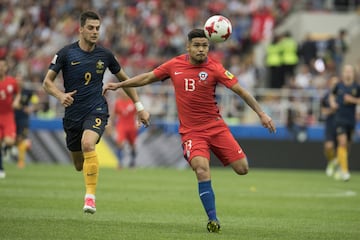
x,y
22,146
342,155
329,154
91,171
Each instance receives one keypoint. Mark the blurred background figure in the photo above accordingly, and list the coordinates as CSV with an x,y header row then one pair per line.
x,y
273,63
22,118
289,54
328,116
9,99
126,127
308,51
337,48
344,98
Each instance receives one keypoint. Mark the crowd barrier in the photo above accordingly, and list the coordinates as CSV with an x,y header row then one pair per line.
x,y
286,149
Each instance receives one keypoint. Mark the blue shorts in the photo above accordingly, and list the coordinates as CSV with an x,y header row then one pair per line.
x,y
22,127
74,129
348,129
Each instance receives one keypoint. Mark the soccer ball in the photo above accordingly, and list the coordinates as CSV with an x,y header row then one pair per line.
x,y
217,28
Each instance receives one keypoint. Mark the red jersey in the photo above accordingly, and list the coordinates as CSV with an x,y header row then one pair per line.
x,y
126,113
195,89
8,89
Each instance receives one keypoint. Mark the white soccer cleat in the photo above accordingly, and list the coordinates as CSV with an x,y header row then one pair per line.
x,y
342,176
2,174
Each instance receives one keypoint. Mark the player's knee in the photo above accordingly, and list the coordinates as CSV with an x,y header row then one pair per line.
x,y
242,170
87,146
78,167
202,172
241,166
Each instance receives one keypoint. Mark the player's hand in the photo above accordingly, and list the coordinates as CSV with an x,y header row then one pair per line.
x,y
267,122
110,86
16,105
349,98
144,118
109,129
67,98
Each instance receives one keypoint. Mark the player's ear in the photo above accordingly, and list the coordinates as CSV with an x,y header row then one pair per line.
x,y
188,46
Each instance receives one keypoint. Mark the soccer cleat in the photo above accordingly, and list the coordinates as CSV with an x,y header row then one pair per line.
x,y
2,174
342,176
331,167
213,226
89,206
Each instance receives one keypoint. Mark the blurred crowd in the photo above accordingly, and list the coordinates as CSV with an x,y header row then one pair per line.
x,y
145,33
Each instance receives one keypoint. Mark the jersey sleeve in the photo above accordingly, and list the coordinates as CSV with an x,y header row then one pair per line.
x,y
162,71
225,77
58,60
114,65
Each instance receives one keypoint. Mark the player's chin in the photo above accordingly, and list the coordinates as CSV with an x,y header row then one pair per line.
x,y
94,39
201,57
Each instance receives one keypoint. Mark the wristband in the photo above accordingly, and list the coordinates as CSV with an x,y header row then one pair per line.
x,y
139,106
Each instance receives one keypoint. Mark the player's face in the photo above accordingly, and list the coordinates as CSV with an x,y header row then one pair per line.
x,y
90,31
348,74
198,49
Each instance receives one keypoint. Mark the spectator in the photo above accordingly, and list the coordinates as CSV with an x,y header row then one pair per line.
x,y
337,48
308,50
273,63
289,53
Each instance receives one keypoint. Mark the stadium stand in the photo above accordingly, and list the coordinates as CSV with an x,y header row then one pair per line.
x,y
145,32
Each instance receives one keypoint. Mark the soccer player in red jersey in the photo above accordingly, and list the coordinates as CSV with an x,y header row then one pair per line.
x,y
194,76
124,114
9,99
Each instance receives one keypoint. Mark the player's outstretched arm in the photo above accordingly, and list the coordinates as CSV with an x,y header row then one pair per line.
x,y
143,115
265,120
137,81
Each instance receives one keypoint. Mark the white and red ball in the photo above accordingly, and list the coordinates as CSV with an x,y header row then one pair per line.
x,y
217,28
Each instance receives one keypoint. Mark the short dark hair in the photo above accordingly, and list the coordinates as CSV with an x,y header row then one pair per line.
x,y
88,15
196,33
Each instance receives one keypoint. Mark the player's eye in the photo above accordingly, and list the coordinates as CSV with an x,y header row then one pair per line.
x,y
201,45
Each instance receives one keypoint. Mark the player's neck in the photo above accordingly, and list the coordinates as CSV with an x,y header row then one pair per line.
x,y
85,46
195,62
348,82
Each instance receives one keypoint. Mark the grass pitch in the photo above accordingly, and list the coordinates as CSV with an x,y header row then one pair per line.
x,y
45,202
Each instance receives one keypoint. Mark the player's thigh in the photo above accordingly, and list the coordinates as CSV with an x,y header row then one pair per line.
x,y
22,128
120,136
73,131
226,148
131,136
94,127
8,130
344,133
193,146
